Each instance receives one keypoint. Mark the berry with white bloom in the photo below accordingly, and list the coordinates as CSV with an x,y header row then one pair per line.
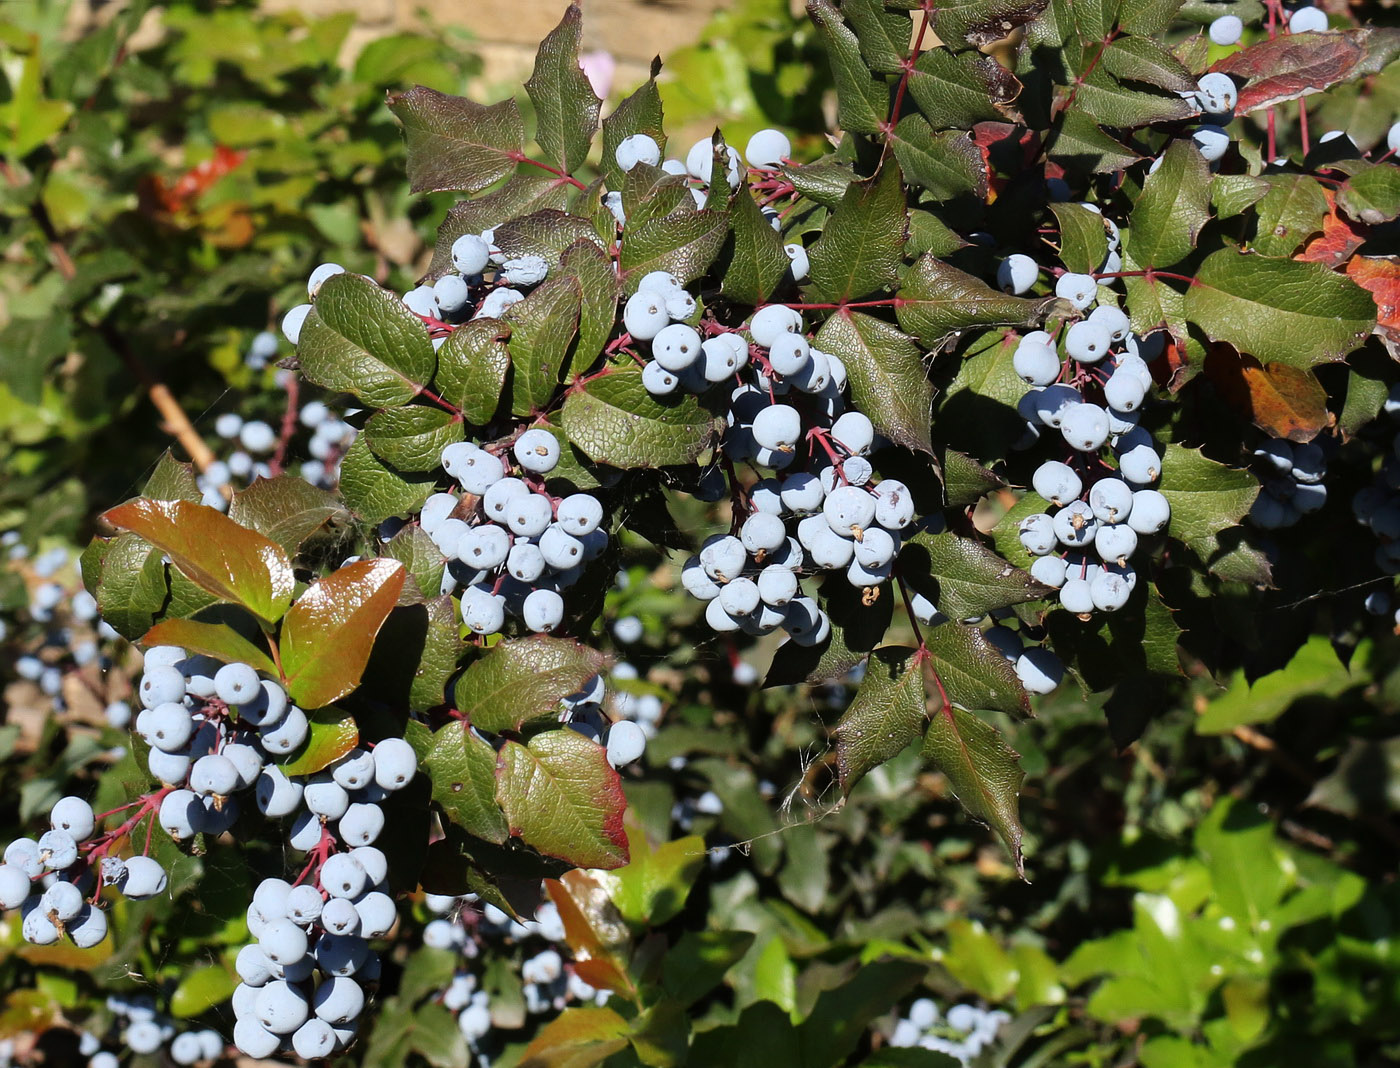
x,y
635,149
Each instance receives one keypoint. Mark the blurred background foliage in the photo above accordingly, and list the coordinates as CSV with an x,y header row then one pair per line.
x,y
1222,891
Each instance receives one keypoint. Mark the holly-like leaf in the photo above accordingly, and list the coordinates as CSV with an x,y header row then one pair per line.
x,y
286,509
412,438
886,716
577,1038
361,339
1083,238
231,562
1174,205
523,194
330,734
1339,238
1281,311
886,373
614,420
174,481
599,286
684,243
1142,59
955,92
566,108
938,301
375,491
327,635
1284,402
462,766
1114,102
639,113
946,164
984,772
757,263
1206,497
973,672
545,233
822,181
1084,146
862,102
965,24
472,367
861,245
1289,213
965,481
561,796
218,640
1372,195
130,587
520,681
1234,194
1296,64
963,577
454,143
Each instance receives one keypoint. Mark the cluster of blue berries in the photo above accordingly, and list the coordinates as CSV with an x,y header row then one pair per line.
x,y
1092,395
962,1033
1291,474
145,1032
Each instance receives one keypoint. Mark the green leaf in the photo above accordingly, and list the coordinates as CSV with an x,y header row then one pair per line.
x,y
883,35
886,716
437,1037
442,647
231,562
1083,146
374,491
599,285
684,243
218,640
361,339
965,24
653,885
577,1038
823,181
1151,17
1083,237
201,989
974,673
412,438
1301,314
963,577
888,381
955,92
983,771
1142,59
1112,102
522,195
614,420
1152,303
1313,672
331,733
861,246
946,164
454,143
938,301
462,766
327,635
175,481
757,263
1289,213
566,108
520,681
286,509
1234,194
1372,196
1206,497
698,961
27,348
561,796
423,560
545,233
1174,205
862,102
130,588
840,1017
472,367
965,481
638,113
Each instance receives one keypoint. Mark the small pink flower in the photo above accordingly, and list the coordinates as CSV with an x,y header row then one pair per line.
x,y
599,68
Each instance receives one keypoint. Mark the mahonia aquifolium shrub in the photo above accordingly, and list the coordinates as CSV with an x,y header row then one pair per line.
x,y
1069,261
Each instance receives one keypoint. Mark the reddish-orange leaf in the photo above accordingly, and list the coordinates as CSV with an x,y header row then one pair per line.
x,y
230,561
1380,275
1292,65
1286,402
328,634
1340,237
218,640
594,930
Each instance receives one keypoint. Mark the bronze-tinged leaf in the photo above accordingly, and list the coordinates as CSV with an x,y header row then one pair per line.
x,y
1340,237
455,143
577,1038
1380,276
1296,64
328,634
218,640
233,563
1283,401
594,930
331,733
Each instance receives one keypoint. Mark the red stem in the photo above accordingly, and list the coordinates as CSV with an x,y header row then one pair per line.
x,y
520,157
289,425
